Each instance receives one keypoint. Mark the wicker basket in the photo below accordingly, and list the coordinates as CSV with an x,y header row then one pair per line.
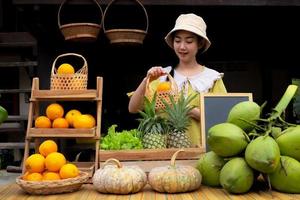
x,y
53,187
160,96
76,81
85,32
126,36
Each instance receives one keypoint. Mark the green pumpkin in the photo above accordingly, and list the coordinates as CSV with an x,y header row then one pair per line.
x,y
118,179
174,178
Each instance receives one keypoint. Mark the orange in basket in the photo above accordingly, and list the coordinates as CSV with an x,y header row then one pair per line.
x,y
69,81
165,90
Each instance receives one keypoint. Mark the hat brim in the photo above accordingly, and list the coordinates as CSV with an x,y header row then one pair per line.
x,y
169,39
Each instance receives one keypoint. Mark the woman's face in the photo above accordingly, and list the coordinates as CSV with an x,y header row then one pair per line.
x,y
186,45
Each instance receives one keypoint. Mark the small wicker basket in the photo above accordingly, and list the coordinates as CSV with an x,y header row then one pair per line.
x,y
126,36
53,187
160,96
85,32
76,81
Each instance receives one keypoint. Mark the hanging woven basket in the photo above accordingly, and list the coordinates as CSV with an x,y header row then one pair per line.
x,y
80,31
125,35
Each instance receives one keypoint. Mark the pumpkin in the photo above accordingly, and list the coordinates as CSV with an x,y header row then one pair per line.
x,y
118,179
174,178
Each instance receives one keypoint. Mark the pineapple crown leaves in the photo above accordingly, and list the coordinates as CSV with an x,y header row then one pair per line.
x,y
177,111
151,122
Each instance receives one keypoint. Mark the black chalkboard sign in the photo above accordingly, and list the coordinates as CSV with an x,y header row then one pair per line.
x,y
215,108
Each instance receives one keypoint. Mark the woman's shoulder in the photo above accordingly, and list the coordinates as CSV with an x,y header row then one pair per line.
x,y
208,72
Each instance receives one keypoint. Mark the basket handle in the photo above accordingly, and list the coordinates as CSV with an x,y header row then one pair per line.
x,y
174,87
61,5
112,1
68,54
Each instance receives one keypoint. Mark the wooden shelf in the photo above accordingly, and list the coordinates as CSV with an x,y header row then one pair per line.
x,y
62,132
36,134
64,95
19,64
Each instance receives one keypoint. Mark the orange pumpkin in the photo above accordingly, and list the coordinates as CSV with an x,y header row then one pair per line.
x,y
174,178
118,179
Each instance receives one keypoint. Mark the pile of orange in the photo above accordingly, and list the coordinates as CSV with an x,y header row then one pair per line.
x,y
55,118
48,164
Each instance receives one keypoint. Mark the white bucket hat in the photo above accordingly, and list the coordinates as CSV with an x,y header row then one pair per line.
x,y
192,23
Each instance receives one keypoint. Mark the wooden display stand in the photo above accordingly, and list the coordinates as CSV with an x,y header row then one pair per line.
x,y
36,134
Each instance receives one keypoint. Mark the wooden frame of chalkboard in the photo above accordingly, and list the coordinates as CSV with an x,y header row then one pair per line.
x,y
214,109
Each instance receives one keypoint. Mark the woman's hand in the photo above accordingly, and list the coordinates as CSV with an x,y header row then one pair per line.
x,y
155,72
195,114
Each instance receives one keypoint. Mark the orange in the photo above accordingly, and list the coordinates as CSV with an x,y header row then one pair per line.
x,y
47,147
163,87
54,161
51,176
42,122
70,116
34,177
54,111
84,121
35,163
60,123
69,171
65,68
25,175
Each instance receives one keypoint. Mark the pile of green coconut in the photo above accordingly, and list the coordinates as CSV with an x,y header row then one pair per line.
x,y
249,145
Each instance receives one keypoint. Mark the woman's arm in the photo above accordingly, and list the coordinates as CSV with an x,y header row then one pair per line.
x,y
137,99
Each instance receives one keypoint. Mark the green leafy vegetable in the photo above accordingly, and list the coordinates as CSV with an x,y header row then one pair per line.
x,y
127,139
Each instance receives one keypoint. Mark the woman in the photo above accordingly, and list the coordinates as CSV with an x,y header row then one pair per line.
x,y
187,38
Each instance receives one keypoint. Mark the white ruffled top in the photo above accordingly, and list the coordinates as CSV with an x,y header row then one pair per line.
x,y
201,82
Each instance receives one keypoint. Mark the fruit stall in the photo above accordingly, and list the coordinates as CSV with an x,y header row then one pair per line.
x,y
252,153
244,150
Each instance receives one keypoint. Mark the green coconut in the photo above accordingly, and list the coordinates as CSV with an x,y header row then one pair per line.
x,y
3,114
263,154
245,110
289,142
226,139
210,165
286,177
236,176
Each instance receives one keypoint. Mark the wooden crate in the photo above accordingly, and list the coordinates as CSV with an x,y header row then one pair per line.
x,y
150,158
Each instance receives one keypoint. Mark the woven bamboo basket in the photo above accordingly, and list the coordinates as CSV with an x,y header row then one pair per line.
x,y
126,35
85,32
160,96
53,187
76,81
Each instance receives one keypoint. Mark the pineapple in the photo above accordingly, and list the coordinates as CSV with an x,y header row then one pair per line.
x,y
152,126
178,121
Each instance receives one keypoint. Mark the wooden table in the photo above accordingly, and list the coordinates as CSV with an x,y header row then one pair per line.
x,y
14,192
